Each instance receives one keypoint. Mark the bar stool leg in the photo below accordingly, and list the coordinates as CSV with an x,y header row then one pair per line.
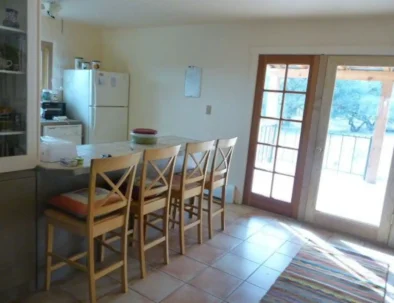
x,y
182,225
210,202
92,275
200,214
146,218
165,232
223,200
174,214
50,232
124,245
134,236
141,238
102,248
192,202
170,211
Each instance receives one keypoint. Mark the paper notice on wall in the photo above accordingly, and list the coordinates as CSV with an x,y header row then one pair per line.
x,y
193,82
114,81
101,79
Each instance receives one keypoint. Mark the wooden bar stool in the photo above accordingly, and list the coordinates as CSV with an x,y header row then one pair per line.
x,y
218,177
154,195
190,184
92,212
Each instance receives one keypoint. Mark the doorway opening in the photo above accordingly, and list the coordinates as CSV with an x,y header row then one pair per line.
x,y
359,144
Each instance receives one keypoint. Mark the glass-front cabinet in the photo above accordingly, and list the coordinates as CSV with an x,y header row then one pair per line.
x,y
19,42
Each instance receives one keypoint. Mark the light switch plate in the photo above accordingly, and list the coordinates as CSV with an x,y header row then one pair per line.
x,y
208,110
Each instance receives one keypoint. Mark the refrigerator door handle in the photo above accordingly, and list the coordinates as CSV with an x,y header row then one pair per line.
x,y
93,119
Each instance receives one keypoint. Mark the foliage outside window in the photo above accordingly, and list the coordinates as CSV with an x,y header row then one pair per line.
x,y
355,105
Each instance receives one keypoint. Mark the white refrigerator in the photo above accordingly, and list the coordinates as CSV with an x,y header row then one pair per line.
x,y
100,100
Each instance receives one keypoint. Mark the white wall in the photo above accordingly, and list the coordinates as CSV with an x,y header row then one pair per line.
x,y
157,58
74,40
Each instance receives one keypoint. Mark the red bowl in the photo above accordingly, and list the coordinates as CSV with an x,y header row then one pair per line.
x,y
145,131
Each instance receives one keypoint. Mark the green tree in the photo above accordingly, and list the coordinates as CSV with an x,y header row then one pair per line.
x,y
295,103
356,101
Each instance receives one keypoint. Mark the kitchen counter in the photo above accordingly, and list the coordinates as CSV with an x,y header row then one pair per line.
x,y
54,179
93,151
45,122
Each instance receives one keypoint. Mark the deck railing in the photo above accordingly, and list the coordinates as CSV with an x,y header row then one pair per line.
x,y
344,153
347,153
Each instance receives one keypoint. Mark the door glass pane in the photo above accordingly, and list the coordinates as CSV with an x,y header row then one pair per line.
x,y
262,183
359,145
272,105
290,133
13,80
297,78
275,76
268,131
294,106
286,161
265,156
283,188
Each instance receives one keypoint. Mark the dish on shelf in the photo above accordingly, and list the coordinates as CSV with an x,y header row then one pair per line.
x,y
4,71
12,133
10,121
11,18
5,110
11,30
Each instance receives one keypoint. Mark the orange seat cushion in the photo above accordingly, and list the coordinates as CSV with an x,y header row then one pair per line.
x,y
76,202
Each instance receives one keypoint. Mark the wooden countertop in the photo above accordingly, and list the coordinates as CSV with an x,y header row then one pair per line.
x,y
94,151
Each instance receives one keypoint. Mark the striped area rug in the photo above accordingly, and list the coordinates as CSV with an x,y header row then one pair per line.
x,y
318,275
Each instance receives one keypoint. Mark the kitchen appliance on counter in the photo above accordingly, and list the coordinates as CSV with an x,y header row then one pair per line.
x,y
51,109
54,149
100,100
63,131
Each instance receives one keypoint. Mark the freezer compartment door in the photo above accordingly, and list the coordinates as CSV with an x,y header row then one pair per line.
x,y
110,89
107,125
78,91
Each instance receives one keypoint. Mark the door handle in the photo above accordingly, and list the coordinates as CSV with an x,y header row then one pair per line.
x,y
93,120
319,149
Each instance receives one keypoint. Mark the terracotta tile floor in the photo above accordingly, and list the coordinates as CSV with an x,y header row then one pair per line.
x,y
236,266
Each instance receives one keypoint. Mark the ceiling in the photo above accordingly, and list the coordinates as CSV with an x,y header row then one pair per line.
x,y
140,13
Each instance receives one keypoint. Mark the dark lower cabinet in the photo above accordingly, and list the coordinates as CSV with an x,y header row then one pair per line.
x,y
17,234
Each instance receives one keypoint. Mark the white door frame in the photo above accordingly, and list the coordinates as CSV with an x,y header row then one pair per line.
x,y
382,233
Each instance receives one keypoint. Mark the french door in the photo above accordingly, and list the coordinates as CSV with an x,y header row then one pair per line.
x,y
351,183
279,132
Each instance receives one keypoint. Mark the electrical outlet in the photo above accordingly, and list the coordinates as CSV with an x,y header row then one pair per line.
x,y
208,110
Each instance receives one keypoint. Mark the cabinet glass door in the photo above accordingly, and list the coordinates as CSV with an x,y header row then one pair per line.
x,y
13,78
